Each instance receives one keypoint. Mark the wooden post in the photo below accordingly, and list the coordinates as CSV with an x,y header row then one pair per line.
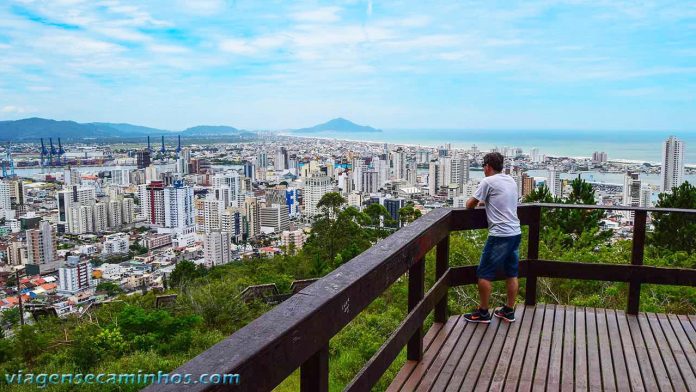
x,y
639,223
416,291
532,256
314,373
441,265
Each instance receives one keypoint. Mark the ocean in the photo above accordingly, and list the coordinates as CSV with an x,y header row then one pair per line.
x,y
639,146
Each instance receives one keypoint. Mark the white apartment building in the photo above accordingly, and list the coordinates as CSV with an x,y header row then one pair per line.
x,y
75,276
672,164
315,188
217,248
116,243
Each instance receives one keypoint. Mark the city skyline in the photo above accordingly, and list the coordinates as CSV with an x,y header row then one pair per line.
x,y
530,65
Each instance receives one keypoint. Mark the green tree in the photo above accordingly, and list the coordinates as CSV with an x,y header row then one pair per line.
x,y
408,214
565,228
184,272
111,288
676,232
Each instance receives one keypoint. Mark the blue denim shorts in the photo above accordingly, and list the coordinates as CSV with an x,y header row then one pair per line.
x,y
500,254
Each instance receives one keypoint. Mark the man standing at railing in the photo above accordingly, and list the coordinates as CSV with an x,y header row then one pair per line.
x,y
498,193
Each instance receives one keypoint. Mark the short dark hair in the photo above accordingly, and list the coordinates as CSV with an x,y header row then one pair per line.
x,y
494,160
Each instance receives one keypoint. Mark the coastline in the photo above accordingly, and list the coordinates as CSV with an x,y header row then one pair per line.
x,y
435,145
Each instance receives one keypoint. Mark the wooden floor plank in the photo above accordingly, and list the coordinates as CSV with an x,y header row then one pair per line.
x,y
530,358
553,347
632,366
672,370
689,329
594,368
657,362
553,376
433,371
414,373
680,356
486,353
620,370
605,358
646,368
507,335
581,383
692,318
684,341
509,363
474,349
568,362
440,383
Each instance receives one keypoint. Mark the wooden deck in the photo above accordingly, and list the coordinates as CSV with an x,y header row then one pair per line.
x,y
554,347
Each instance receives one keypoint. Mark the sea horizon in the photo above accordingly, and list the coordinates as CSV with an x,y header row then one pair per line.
x,y
628,146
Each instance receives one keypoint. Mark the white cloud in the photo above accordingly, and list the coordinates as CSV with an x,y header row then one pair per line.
x,y
319,15
168,49
13,109
237,46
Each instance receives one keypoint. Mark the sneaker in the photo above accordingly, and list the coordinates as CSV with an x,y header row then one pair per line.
x,y
506,313
478,316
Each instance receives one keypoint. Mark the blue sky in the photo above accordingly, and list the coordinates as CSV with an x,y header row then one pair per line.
x,y
390,64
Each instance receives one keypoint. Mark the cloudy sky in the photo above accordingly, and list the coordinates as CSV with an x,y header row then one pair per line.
x,y
262,64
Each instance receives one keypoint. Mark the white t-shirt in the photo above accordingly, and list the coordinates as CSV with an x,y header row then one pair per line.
x,y
499,192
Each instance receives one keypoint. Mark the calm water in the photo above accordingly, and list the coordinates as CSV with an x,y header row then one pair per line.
x,y
644,146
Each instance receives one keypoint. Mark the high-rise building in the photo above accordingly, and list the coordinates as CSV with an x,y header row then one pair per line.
x,y
251,209
370,181
5,200
433,178
228,187
114,213
528,184
217,248
315,188
178,207
445,167
208,213
128,210
16,192
152,203
101,218
262,160
393,205
120,176
75,276
631,192
460,170
599,157
645,196
554,182
142,159
41,244
399,164
672,164
233,221
281,161
274,218
71,214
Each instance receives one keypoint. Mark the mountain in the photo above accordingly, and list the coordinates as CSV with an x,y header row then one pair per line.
x,y
132,130
338,125
210,130
31,128
35,128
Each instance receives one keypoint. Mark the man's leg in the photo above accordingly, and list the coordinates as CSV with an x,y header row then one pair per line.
x,y
512,287
485,288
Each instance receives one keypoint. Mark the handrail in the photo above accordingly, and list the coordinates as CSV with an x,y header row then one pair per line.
x,y
296,333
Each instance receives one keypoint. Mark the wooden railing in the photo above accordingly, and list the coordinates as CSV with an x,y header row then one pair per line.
x,y
296,333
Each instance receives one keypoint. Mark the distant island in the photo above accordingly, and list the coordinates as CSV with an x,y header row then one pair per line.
x,y
338,125
35,127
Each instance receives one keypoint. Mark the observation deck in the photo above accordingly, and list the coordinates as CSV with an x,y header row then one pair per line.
x,y
552,347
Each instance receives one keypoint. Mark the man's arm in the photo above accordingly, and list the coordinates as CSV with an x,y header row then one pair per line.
x,y
472,202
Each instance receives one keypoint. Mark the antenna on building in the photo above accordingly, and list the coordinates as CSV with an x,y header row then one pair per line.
x,y
149,148
178,147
